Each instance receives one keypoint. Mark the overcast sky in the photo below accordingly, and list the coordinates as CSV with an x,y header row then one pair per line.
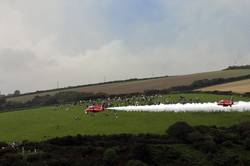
x,y
82,41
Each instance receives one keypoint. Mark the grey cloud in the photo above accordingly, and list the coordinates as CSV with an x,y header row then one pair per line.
x,y
78,42
16,60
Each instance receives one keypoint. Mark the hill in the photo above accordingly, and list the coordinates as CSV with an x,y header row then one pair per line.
x,y
237,87
137,85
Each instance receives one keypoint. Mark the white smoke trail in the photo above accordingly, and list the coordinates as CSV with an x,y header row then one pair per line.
x,y
190,107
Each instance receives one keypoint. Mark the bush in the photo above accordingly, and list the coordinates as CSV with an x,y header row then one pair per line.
x,y
163,154
220,159
135,163
247,143
36,157
228,144
195,136
110,156
244,129
207,146
141,152
179,130
12,158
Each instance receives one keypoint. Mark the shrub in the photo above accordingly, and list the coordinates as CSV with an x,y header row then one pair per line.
x,y
244,129
163,154
135,163
195,136
12,158
179,130
228,144
141,152
36,157
247,143
207,146
220,159
110,156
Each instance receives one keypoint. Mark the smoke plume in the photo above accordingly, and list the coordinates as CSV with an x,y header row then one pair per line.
x,y
190,107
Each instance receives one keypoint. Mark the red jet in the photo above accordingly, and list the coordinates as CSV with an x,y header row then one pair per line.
x,y
226,102
96,108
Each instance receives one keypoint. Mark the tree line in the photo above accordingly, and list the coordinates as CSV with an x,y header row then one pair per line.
x,y
238,67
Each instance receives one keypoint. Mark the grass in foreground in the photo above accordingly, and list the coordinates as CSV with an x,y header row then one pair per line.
x,y
49,122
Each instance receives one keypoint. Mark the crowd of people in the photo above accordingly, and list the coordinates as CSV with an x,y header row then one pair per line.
x,y
139,100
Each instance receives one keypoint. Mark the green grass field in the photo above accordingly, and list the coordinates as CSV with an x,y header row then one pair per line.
x,y
48,122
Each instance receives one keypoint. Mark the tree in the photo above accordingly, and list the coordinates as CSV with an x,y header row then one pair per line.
x,y
110,156
17,92
179,130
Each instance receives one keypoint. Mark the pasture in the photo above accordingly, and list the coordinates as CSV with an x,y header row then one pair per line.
x,y
48,122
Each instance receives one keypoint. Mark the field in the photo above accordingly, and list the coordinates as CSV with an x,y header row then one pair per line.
x,y
237,87
48,122
142,85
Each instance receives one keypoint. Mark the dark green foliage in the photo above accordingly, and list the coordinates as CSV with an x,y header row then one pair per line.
x,y
141,152
135,163
247,143
179,130
110,156
11,159
244,129
195,136
200,147
163,154
187,161
36,157
7,150
228,144
206,146
221,159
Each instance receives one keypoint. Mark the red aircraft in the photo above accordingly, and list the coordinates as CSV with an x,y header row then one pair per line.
x,y
226,102
96,108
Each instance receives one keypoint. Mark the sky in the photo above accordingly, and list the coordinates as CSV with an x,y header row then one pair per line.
x,y
46,42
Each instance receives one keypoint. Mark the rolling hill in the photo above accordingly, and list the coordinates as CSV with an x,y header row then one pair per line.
x,y
133,86
237,87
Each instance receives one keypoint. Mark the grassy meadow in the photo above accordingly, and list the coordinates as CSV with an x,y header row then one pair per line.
x,y
48,122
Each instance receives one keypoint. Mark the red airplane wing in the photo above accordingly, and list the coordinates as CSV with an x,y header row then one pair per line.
x,y
95,108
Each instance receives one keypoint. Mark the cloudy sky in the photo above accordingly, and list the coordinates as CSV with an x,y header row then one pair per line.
x,y
82,41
